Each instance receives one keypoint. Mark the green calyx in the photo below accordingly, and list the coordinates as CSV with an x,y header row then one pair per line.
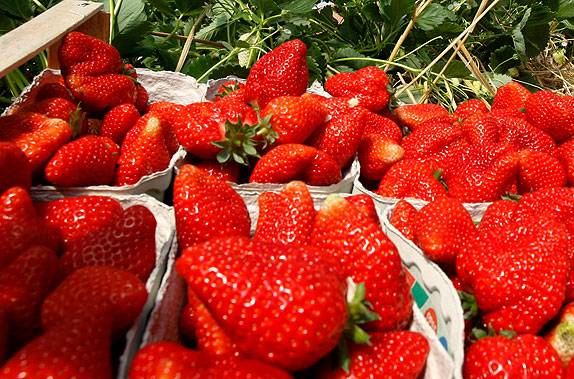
x,y
438,176
478,333
227,89
469,305
511,196
76,121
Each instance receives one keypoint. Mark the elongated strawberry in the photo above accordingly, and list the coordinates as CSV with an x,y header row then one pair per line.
x,y
206,207
227,172
538,170
101,93
512,95
403,218
377,154
87,55
368,86
365,254
413,115
524,356
552,113
566,155
96,290
286,218
142,98
391,355
143,151
560,337
366,205
289,162
14,167
293,118
97,166
118,122
304,326
282,71
470,107
409,178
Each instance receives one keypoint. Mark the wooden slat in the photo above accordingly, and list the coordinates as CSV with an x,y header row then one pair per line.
x,y
29,39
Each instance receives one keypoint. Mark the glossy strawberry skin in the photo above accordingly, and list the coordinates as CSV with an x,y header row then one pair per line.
x,y
469,108
118,122
498,216
97,166
430,137
566,155
171,115
86,55
227,172
206,207
411,116
512,95
54,108
101,93
53,90
382,126
282,71
538,170
14,167
142,98
367,85
366,205
376,155
409,178
551,113
403,218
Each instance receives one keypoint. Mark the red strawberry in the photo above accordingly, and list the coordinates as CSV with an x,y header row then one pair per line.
x,y
367,85
56,108
336,106
24,284
413,115
230,88
566,155
77,349
293,312
430,137
86,55
498,216
101,93
289,162
365,254
14,167
143,151
470,107
560,337
52,90
538,170
392,355
341,136
3,336
97,166
442,228
552,113
512,95
403,218
519,134
525,356
282,71
286,218
377,154
171,115
96,290
227,172
206,207
409,178
480,128
142,98
293,118
118,122
382,126
366,205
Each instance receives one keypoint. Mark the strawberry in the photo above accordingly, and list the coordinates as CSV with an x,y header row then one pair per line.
x,y
52,90
566,155
24,284
382,126
293,118
522,135
56,108
86,55
143,151
128,243
227,172
480,128
409,178
525,356
96,290
403,218
413,115
538,170
336,106
376,155
281,72
171,115
552,113
366,205
142,98
286,218
560,337
498,216
292,332
289,162
77,349
442,228
365,254
470,107
430,137
206,207
367,85
231,88
101,93
3,336
14,167
512,95
97,166
341,136
390,355
118,122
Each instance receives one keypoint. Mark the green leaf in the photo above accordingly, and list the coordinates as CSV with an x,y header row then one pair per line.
x,y
565,9
395,10
132,25
6,24
536,31
185,6
298,6
433,16
163,6
18,8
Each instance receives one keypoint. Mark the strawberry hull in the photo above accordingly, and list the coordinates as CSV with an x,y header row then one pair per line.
x,y
166,246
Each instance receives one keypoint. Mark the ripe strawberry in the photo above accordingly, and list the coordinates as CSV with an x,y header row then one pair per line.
x,y
293,118
430,137
282,71
97,166
409,178
96,290
525,356
367,85
142,98
286,218
171,115
341,136
336,106
469,108
560,337
366,205
519,134
403,218
538,170
128,243
392,355
86,55
101,93
206,207
480,128
292,332
14,167
118,122
231,88
382,126
365,254
289,162
442,228
376,155
413,115
77,349
512,95
227,172
552,113
143,151
52,90
24,284
56,108
498,216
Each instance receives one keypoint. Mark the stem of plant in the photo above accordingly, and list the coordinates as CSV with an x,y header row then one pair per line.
x,y
231,54
381,61
112,7
39,5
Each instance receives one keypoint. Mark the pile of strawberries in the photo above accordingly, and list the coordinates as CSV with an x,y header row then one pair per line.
x,y
515,273
277,303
